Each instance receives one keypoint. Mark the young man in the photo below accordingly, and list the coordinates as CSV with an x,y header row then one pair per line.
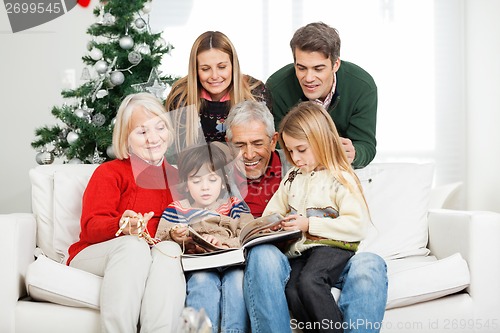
x,y
363,283
347,92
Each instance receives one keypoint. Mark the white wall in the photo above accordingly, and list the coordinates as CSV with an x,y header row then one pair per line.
x,y
33,66
482,28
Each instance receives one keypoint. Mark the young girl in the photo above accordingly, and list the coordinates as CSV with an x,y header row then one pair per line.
x,y
321,196
211,210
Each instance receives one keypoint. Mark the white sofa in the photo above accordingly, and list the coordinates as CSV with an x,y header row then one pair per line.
x,y
443,265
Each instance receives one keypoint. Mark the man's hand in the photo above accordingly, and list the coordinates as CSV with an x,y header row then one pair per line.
x,y
349,149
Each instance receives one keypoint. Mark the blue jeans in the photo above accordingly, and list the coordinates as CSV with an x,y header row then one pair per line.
x,y
220,293
362,300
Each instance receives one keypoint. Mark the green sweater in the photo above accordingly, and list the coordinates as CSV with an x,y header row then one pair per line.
x,y
353,107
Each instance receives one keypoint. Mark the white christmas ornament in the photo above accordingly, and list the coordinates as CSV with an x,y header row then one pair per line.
x,y
101,93
126,42
75,160
72,137
117,78
160,42
108,19
146,9
110,152
84,114
95,54
101,67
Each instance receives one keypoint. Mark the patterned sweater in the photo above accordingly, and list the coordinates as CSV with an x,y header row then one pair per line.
x,y
337,217
224,219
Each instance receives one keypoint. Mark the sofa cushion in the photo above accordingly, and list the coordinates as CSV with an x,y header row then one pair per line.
x,y
415,280
49,281
398,196
57,192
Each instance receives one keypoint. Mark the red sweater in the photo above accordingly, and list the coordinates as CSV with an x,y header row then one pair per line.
x,y
112,189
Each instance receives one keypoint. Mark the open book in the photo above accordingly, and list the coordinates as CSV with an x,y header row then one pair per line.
x,y
258,231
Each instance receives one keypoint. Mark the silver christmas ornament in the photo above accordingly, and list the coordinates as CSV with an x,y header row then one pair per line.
x,y
134,57
108,19
84,114
75,160
113,122
95,54
126,42
160,43
98,119
144,49
72,137
101,66
110,152
117,78
146,9
101,93
140,23
85,74
44,157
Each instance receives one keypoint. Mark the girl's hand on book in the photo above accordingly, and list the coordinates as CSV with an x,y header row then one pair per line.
x,y
295,222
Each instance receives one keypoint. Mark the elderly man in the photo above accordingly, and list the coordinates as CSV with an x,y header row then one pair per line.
x,y
363,283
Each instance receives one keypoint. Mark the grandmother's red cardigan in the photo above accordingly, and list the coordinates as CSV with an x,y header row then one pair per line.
x,y
116,186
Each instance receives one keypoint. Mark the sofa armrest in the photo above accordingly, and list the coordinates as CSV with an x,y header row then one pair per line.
x,y
17,245
475,235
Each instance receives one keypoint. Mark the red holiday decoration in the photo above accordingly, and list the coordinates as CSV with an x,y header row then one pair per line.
x,y
83,3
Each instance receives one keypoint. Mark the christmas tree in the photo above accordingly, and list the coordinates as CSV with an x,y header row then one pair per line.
x,y
123,58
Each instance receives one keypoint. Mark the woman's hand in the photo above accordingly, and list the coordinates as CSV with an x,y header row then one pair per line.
x,y
132,223
295,222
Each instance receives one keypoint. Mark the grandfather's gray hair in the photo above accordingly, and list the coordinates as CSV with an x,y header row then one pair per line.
x,y
246,111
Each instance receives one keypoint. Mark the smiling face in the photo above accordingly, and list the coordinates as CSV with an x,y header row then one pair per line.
x,y
215,72
148,136
315,73
204,186
255,146
300,153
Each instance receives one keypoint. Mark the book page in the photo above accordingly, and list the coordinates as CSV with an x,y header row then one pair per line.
x,y
259,224
199,240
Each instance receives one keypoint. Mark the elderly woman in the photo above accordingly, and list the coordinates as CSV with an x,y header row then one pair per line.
x,y
121,208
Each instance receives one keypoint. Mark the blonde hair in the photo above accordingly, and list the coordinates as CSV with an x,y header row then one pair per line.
x,y
186,92
122,128
309,121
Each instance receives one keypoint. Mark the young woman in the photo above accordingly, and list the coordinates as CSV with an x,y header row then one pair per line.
x,y
128,195
213,211
214,84
321,195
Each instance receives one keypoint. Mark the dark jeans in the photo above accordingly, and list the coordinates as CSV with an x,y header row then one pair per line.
x,y
308,290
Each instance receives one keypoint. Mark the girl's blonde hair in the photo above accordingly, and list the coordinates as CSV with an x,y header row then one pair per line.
x,y
186,92
309,121
122,128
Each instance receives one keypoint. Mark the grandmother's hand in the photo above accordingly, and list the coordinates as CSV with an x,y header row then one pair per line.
x,y
133,223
